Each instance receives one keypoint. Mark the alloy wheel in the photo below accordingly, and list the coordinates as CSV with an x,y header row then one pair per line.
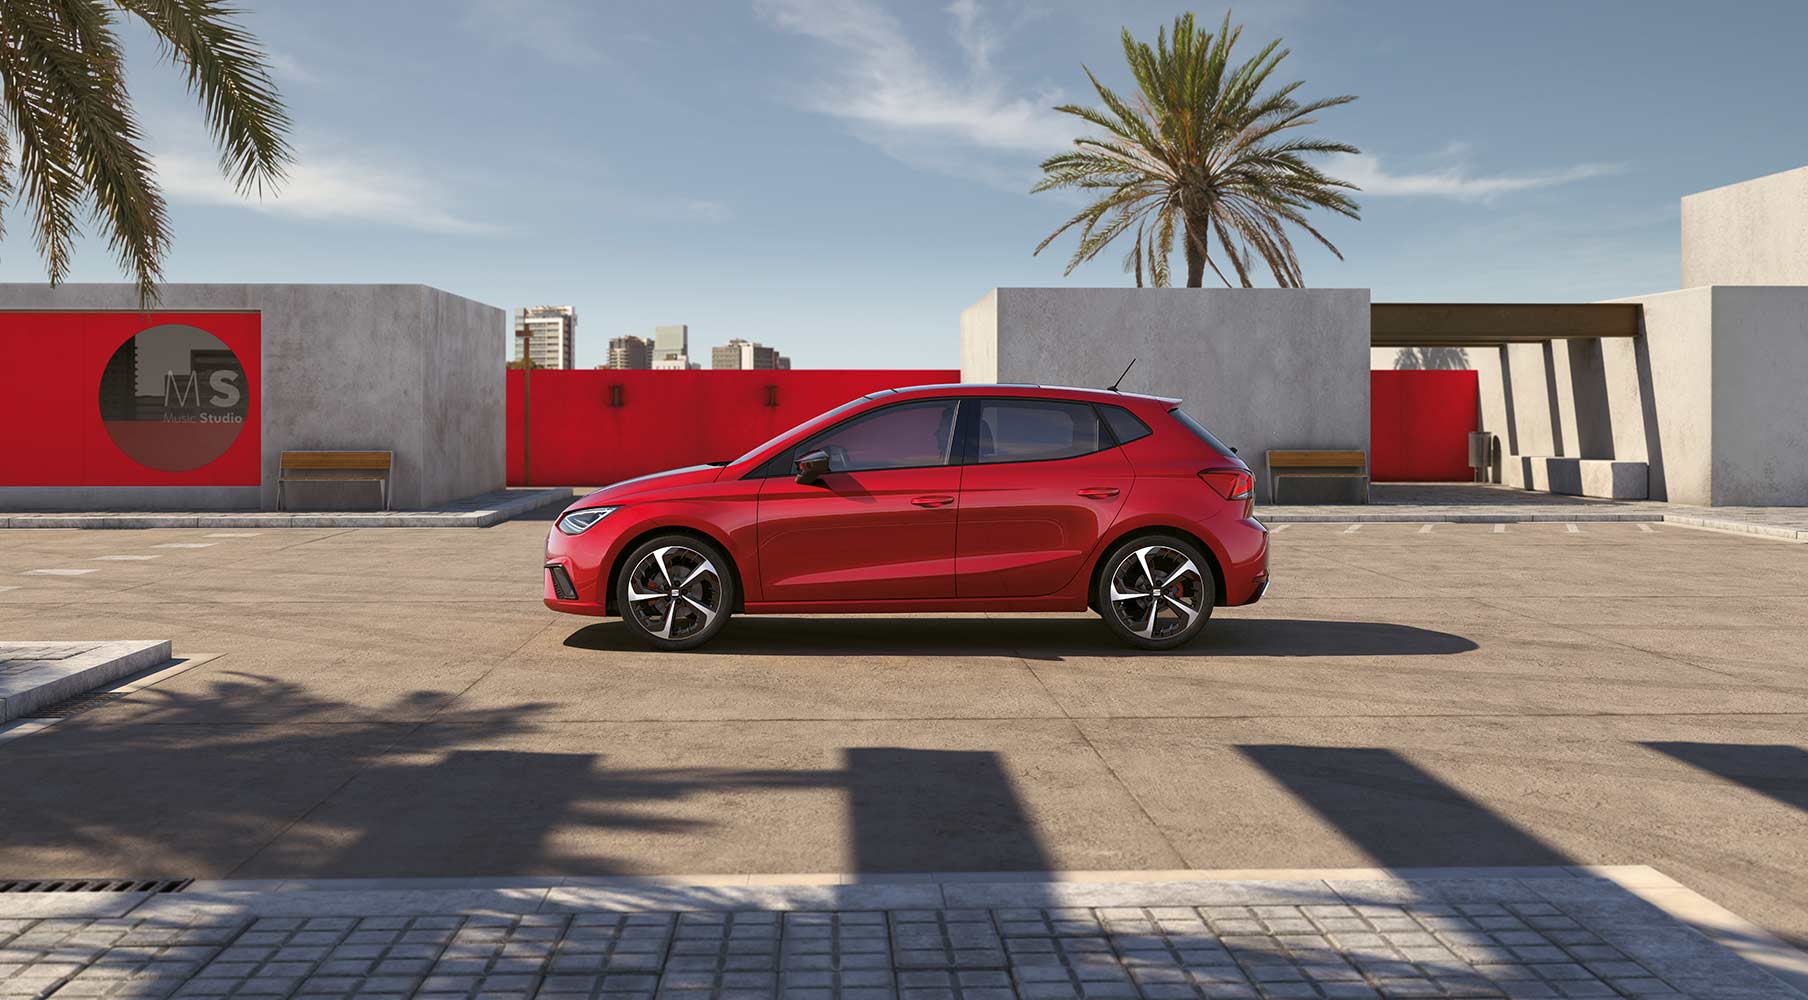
x,y
1157,592
674,592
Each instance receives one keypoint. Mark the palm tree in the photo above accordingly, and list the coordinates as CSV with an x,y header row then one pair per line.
x,y
1203,152
68,130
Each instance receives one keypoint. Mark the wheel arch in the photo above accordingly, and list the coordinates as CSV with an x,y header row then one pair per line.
x,y
634,542
1140,531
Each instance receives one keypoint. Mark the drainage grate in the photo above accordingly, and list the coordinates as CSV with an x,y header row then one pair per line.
x,y
78,704
95,884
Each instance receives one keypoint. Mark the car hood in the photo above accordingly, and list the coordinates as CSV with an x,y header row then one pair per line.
x,y
615,492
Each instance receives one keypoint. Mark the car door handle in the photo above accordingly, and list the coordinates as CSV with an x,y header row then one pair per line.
x,y
932,501
1099,492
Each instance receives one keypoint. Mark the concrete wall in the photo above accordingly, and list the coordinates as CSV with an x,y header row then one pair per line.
x,y
1263,368
1709,396
1760,400
402,368
1754,233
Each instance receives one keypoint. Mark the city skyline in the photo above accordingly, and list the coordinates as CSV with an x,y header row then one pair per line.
x,y
899,143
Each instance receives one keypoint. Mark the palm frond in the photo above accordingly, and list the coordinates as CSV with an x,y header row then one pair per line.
x,y
226,69
1207,148
64,104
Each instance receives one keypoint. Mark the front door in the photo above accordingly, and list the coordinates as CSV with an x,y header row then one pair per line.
x,y
1043,481
880,524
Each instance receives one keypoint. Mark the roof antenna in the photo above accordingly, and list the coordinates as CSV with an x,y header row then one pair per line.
x,y
1120,378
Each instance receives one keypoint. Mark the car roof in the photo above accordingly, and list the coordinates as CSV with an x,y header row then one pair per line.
x,y
1027,389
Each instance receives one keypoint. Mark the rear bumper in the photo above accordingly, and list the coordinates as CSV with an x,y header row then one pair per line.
x,y
1245,559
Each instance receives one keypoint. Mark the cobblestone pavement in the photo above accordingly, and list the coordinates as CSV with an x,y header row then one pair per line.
x,y
1586,937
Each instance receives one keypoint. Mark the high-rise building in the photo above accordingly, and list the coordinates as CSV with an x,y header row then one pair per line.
x,y
745,354
630,352
672,347
548,334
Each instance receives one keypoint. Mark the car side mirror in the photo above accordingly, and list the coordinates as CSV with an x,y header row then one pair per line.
x,y
812,467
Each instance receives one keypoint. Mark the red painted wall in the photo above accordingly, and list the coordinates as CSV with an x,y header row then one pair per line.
x,y
1419,424
51,430
666,419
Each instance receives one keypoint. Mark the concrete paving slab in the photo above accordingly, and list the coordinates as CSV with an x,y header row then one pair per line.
x,y
37,675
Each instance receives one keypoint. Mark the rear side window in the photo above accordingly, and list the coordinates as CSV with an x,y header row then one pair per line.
x,y
1201,433
1035,430
1124,425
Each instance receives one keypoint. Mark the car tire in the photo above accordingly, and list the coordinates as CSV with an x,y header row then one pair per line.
x,y
694,570
1167,611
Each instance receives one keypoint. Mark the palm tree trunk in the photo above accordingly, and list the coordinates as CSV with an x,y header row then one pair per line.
x,y
1195,259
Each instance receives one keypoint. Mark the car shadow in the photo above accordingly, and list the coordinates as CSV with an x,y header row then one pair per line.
x,y
1038,638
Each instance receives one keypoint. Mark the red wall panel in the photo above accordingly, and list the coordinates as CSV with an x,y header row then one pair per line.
x,y
1419,424
51,427
573,436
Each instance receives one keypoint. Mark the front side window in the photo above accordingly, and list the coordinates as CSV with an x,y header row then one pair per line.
x,y
907,436
1035,430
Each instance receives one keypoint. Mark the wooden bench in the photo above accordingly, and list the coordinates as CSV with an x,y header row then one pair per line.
x,y
1352,466
337,467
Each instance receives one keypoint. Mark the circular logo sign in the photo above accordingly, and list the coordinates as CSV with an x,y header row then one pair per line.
x,y
174,397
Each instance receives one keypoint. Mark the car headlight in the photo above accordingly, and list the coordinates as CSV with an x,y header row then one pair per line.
x,y
579,521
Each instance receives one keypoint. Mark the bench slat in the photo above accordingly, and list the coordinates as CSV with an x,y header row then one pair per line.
x,y
1315,459
336,459
335,475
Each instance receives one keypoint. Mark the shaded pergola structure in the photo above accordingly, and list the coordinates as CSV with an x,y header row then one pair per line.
x,y
1464,324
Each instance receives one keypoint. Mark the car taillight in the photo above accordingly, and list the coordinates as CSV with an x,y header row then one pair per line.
x,y
1231,484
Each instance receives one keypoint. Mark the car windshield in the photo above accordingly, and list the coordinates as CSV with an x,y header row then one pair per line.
x,y
815,421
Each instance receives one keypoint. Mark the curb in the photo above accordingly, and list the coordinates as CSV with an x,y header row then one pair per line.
x,y
1742,527
497,514
1376,517
60,680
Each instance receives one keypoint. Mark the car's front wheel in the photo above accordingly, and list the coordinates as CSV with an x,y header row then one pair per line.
x,y
675,591
1156,591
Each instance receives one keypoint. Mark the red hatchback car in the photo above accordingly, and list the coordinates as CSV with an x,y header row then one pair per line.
x,y
932,498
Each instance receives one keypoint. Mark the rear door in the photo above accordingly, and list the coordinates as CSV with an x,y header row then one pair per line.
x,y
880,524
1043,480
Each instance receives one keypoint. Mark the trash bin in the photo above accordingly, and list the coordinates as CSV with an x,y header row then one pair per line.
x,y
1481,454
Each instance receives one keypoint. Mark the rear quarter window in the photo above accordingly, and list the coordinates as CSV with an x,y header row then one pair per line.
x,y
1186,420
1124,425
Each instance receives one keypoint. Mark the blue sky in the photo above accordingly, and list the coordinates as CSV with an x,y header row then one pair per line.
x,y
839,178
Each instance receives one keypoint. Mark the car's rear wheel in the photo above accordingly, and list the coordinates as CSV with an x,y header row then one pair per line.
x,y
675,591
1156,591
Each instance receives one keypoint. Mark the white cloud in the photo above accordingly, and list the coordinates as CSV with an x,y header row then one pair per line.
x,y
284,67
1456,181
894,96
326,189
704,210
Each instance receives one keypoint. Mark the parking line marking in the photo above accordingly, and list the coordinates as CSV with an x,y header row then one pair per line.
x,y
1574,528
9,587
1277,529
1425,529
235,534
1644,527
124,558
1500,529
59,572
1352,529
184,545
